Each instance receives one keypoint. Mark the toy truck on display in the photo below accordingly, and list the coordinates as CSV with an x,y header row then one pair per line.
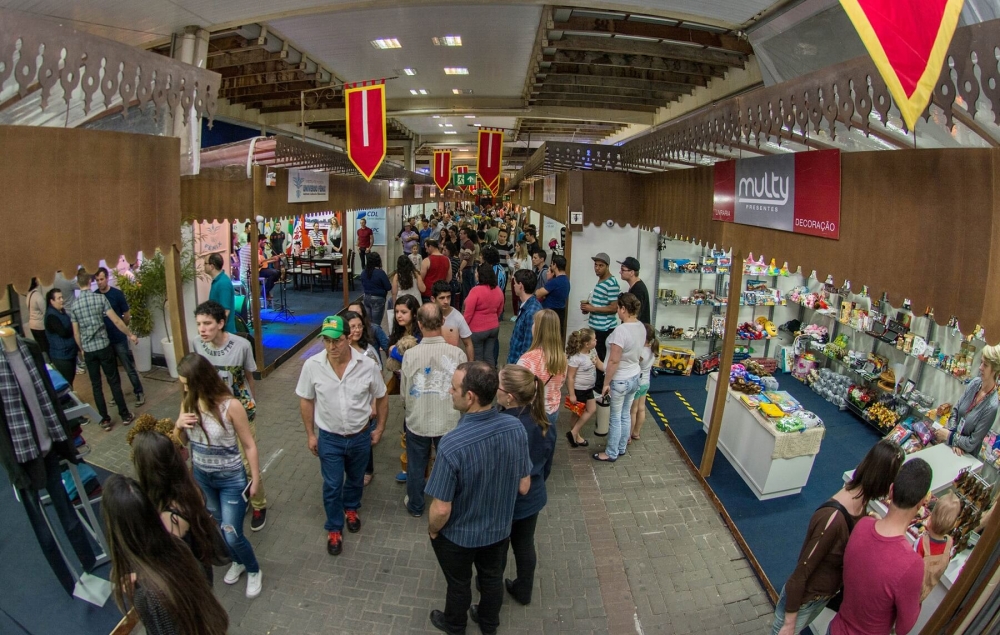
x,y
674,360
704,364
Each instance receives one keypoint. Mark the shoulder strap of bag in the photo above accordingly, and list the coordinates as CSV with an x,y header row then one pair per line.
x,y
834,504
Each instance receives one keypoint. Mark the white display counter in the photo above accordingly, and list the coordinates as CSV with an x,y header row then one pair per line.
x,y
748,440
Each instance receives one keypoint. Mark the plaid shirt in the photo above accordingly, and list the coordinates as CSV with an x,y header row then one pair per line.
x,y
88,313
520,339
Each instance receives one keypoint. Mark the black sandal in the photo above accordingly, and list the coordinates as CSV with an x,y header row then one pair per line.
x,y
583,443
569,437
597,457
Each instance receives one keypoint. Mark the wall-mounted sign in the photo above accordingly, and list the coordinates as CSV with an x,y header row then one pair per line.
x,y
531,191
395,189
576,218
549,189
797,192
460,179
271,179
375,220
418,191
306,186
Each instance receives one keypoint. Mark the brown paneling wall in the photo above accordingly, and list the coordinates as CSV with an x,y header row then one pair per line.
x,y
556,212
917,224
74,196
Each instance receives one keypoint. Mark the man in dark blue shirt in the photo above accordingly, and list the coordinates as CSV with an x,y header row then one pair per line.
x,y
481,467
555,292
119,342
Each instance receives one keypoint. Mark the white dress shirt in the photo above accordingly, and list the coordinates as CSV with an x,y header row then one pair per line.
x,y
343,405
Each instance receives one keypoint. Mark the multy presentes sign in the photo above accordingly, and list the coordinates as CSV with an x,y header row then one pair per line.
x,y
797,192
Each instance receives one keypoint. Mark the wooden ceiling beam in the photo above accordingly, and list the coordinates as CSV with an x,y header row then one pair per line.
x,y
622,46
655,95
286,105
239,58
597,103
558,79
266,88
642,62
725,41
259,68
648,75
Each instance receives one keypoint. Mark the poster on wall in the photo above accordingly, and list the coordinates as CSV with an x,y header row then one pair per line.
x,y
797,192
531,191
306,186
418,191
549,190
375,219
395,189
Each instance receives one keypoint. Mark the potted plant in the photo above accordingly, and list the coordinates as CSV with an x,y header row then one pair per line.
x,y
141,323
152,276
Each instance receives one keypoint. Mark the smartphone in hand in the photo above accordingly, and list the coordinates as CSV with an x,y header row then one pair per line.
x,y
246,491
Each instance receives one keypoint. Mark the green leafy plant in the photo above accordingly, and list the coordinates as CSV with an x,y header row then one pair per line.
x,y
151,276
142,318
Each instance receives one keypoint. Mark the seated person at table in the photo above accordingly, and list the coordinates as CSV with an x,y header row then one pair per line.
x,y
268,268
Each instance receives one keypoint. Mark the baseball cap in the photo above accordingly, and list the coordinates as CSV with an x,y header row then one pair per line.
x,y
333,327
603,257
630,263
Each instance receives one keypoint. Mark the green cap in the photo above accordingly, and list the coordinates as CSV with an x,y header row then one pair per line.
x,y
333,327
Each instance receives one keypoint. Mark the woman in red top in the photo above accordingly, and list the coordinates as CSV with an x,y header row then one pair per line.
x,y
483,308
434,267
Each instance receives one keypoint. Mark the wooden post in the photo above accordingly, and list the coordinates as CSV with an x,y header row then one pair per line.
x,y
344,252
725,363
963,585
258,328
175,298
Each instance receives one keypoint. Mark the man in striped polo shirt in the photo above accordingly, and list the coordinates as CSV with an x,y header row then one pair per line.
x,y
481,467
602,307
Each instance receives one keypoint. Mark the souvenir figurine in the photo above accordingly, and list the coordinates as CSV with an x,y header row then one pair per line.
x,y
784,270
772,269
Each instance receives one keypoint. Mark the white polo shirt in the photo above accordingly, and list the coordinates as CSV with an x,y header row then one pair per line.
x,y
343,406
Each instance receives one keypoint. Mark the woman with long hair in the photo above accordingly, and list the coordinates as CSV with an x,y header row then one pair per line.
x,y
522,394
376,335
334,235
819,571
519,260
166,480
406,280
405,319
547,359
483,308
152,570
216,424
621,375
361,342
377,287
469,257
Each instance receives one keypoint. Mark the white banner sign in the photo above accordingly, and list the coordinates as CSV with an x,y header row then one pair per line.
x,y
375,219
549,190
306,186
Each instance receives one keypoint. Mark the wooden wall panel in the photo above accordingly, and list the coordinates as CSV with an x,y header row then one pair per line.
x,y
217,194
74,196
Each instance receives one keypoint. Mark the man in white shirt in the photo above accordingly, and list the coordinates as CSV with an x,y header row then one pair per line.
x,y
425,382
336,389
455,328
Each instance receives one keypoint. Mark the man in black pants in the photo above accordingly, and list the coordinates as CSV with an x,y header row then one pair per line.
x,y
487,464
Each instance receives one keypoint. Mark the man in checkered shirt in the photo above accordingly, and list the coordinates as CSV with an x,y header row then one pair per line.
x,y
91,336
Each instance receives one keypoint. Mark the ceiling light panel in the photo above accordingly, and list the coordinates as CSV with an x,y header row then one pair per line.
x,y
409,71
447,40
450,132
386,43
456,70
461,91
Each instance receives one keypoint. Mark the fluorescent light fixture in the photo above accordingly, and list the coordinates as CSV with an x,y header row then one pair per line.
x,y
440,125
461,91
386,43
410,71
413,91
423,91
470,116
435,116
463,149
477,125
450,132
456,70
447,40
448,125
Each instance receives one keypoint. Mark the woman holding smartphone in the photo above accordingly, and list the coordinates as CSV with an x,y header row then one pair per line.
x,y
215,423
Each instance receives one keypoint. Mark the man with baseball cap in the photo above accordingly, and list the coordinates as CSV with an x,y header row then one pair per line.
x,y
603,306
630,274
336,389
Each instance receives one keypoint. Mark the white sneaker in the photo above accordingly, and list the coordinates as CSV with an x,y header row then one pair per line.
x,y
234,573
254,584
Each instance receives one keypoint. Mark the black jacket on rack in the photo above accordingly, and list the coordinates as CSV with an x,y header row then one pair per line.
x,y
31,475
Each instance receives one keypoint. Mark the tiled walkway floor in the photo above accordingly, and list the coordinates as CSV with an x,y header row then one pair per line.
x,y
633,547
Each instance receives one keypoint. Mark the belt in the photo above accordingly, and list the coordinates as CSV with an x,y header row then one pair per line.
x,y
352,435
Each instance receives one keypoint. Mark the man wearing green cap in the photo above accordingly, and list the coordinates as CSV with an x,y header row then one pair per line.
x,y
336,389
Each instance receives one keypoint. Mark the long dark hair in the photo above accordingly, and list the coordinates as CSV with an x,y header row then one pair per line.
x,y
168,483
876,472
351,315
372,262
398,331
162,564
528,390
204,386
486,275
405,272
363,312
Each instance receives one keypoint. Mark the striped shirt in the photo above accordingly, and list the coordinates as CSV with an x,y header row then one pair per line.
x,y
215,449
478,469
88,313
505,251
604,294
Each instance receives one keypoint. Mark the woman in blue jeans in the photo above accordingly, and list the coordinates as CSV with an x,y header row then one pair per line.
x,y
621,375
215,423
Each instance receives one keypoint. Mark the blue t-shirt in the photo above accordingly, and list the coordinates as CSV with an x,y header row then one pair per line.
x,y
222,292
118,302
424,235
558,288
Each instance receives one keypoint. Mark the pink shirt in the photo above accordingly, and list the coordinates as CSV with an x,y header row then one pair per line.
x,y
534,361
483,307
883,578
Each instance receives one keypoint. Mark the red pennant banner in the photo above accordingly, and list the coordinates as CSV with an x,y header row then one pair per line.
x,y
908,40
442,169
488,159
366,141
463,169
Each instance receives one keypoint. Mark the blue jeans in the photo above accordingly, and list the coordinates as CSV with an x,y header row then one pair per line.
x,y
124,354
806,614
418,455
620,425
224,499
375,305
339,455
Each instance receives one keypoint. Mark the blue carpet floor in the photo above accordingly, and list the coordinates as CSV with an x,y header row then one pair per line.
x,y
33,602
282,333
773,529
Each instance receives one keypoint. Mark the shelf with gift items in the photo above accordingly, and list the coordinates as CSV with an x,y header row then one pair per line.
x,y
714,262
755,379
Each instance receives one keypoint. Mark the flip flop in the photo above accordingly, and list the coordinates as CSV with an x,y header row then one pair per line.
x,y
572,442
597,457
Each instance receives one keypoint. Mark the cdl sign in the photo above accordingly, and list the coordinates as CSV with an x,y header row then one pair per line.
x,y
797,192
